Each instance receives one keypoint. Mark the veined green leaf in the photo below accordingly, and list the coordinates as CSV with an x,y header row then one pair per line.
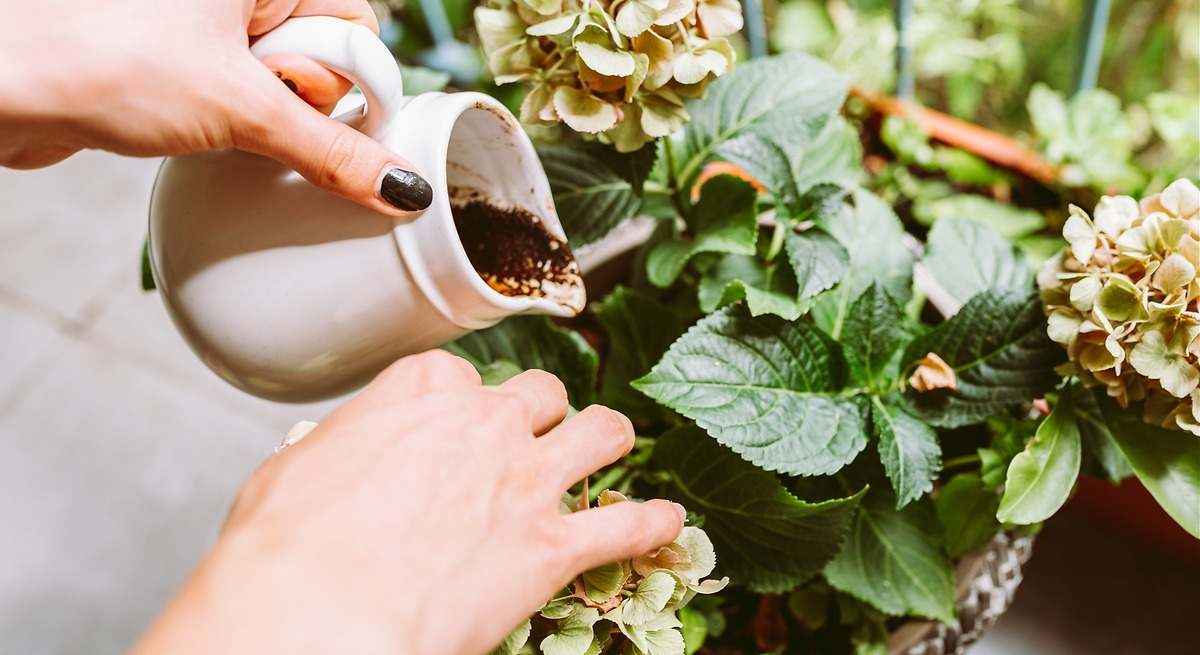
x,y
515,640
723,221
764,536
908,449
966,509
766,288
874,334
595,187
786,99
535,342
764,387
1040,479
788,170
640,329
818,260
1001,356
893,560
874,238
648,599
1166,461
967,257
572,635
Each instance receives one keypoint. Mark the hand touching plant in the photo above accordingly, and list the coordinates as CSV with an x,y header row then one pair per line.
x,y
420,517
163,78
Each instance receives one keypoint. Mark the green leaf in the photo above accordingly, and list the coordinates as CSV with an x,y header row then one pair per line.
x,y
874,334
147,269
1166,461
809,605
766,288
764,387
818,260
1006,220
893,560
723,221
835,157
695,629
1001,356
595,188
515,640
640,329
789,170
786,100
908,449
874,239
499,372
966,509
1102,457
572,635
648,599
605,581
1008,441
967,257
419,79
535,342
1040,479
765,537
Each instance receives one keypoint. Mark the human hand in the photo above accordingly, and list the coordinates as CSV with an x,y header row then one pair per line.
x,y
420,517
150,78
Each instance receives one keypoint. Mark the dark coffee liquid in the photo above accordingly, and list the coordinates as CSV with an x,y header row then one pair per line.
x,y
514,253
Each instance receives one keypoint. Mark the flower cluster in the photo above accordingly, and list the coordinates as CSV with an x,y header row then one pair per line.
x,y
635,600
1123,300
617,68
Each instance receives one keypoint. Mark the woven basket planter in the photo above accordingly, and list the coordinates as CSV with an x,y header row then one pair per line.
x,y
987,583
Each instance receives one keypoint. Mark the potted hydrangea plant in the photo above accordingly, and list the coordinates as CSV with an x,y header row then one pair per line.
x,y
846,409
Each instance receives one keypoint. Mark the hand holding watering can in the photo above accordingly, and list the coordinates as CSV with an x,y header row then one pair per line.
x,y
292,293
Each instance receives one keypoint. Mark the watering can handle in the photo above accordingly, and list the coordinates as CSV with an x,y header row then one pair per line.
x,y
352,51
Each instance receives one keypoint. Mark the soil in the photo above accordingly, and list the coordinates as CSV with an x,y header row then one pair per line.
x,y
514,253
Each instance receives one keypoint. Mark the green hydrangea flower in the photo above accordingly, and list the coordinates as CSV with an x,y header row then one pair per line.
x,y
635,601
618,69
1123,300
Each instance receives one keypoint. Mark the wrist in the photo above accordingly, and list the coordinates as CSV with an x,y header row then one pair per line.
x,y
254,595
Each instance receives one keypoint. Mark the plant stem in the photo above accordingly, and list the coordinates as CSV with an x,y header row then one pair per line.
x,y
776,241
672,179
609,479
962,460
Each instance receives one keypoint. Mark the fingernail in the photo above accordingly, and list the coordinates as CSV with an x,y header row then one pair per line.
x,y
681,512
406,190
288,83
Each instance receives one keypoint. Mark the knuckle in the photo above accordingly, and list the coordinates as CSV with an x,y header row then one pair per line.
x,y
441,362
510,410
338,160
563,549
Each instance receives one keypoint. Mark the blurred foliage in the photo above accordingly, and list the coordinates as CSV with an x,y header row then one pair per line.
x,y
979,59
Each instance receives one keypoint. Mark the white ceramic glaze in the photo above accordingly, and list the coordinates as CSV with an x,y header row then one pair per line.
x,y
292,293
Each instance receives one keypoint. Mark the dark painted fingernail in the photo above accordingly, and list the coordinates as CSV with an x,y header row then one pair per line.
x,y
406,190
288,83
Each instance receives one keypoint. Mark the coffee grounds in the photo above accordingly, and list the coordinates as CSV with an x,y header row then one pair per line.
x,y
514,253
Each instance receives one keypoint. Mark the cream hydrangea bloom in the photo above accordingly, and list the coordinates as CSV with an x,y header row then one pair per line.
x,y
1123,300
619,69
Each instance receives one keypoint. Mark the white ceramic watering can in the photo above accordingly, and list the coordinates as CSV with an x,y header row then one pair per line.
x,y
292,293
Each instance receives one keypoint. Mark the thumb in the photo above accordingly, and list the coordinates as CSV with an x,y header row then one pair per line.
x,y
334,156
